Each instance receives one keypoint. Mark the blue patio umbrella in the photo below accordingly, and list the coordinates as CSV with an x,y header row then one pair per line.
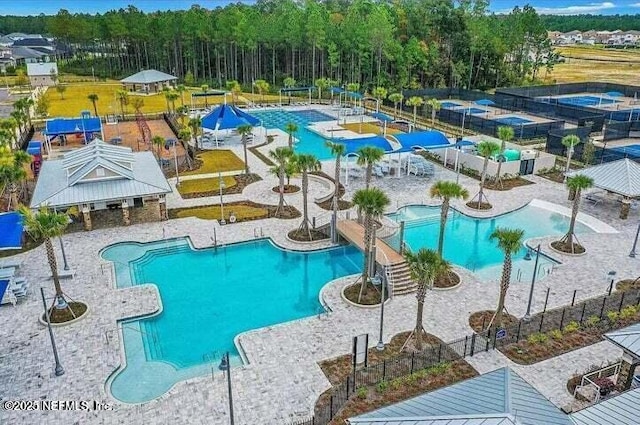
x,y
226,117
10,231
484,102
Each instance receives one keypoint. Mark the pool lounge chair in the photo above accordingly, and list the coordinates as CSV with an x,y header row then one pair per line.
x,y
11,262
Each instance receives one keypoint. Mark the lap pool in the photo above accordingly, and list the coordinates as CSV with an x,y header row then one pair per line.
x,y
209,296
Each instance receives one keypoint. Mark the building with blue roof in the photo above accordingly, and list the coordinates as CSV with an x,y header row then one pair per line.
x,y
500,397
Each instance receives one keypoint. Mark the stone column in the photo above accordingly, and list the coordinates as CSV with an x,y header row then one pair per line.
x,y
86,217
624,209
627,369
125,214
162,203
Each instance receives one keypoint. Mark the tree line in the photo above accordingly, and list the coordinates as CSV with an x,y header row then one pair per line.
x,y
591,22
396,44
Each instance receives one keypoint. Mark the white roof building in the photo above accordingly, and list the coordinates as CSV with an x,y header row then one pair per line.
x,y
42,69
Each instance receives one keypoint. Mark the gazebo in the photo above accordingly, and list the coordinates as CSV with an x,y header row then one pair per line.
x,y
148,81
621,177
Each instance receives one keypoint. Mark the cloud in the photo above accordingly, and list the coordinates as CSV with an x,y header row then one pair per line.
x,y
577,10
635,5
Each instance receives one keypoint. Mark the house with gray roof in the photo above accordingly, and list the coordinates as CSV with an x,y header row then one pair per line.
x,y
148,81
500,397
622,409
629,340
104,182
42,74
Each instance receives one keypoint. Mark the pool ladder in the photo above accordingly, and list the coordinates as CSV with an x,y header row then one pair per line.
x,y
258,233
547,269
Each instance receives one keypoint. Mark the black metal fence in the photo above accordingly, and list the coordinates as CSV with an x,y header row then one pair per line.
x,y
408,363
554,141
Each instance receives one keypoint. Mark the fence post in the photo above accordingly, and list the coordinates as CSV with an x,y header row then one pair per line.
x,y
604,301
331,408
518,334
348,379
486,348
584,306
384,370
473,344
413,355
484,318
546,300
573,300
562,318
621,302
541,321
439,352
464,353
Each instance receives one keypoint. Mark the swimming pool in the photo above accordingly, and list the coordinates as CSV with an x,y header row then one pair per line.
x,y
466,240
308,141
586,100
513,120
209,296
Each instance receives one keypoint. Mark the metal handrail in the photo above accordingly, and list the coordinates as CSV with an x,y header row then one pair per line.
x,y
389,274
605,371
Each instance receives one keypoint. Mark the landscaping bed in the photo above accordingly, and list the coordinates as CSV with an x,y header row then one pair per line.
x,y
481,206
210,186
288,188
66,315
482,318
555,175
370,296
448,280
302,236
507,184
243,211
623,285
215,161
566,248
262,157
328,204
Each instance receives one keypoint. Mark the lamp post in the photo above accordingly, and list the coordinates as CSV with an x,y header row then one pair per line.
x,y
226,366
64,254
611,276
632,254
59,369
527,315
222,186
383,284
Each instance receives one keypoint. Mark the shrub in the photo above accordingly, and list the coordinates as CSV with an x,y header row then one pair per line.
x,y
439,368
556,334
628,312
396,383
605,384
362,392
537,338
571,327
593,321
382,386
613,316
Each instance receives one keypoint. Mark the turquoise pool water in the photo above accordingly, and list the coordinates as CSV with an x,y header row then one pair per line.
x,y
209,296
308,141
467,242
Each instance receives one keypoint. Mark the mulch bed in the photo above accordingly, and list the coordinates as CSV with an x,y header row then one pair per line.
x,y
328,204
242,181
302,236
555,176
482,206
447,280
288,188
370,296
565,247
254,150
507,184
65,315
477,319
628,284
575,380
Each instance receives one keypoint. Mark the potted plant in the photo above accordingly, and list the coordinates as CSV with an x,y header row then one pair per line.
x,y
605,385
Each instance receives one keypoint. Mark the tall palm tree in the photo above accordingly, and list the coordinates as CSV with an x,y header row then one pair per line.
x,y
47,224
446,191
281,156
434,105
138,104
396,98
425,266
415,102
195,124
291,128
180,88
380,93
94,100
368,156
158,141
12,174
123,99
263,88
486,149
569,141
304,164
322,84
371,202
338,150
171,97
509,242
505,134
244,131
577,184
205,89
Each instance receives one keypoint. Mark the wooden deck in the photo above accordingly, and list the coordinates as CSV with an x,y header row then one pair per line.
x,y
354,233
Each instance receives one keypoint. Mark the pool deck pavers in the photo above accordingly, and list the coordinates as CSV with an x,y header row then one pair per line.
x,y
282,379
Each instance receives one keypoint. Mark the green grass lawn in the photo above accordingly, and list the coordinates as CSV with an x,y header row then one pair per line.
x,y
212,212
217,161
205,185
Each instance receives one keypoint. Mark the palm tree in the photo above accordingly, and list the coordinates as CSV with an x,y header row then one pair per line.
x,y
304,164
94,100
396,98
123,99
138,104
576,184
509,242
205,89
281,156
379,93
195,124
425,266
263,87
446,191
157,141
61,89
244,131
368,156
338,150
291,128
569,141
171,97
290,169
415,101
180,88
486,149
12,174
372,203
47,224
321,84
435,106
9,126
505,134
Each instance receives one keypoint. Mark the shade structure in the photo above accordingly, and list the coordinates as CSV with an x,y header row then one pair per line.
x,y
336,90
485,102
422,140
10,231
614,94
352,145
59,126
621,177
381,117
226,117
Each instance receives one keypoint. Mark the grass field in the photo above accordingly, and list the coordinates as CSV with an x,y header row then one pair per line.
x,y
212,212
217,161
205,185
589,63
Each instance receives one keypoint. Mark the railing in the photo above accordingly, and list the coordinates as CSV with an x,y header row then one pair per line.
x,y
389,227
589,378
388,273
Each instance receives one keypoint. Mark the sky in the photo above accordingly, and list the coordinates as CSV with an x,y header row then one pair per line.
x,y
560,7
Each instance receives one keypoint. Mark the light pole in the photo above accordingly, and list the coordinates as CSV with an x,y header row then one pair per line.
x,y
527,315
226,366
632,254
64,254
222,186
59,369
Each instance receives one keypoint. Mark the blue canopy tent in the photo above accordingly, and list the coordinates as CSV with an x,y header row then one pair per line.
x,y
422,140
34,148
289,90
10,231
226,117
485,102
87,126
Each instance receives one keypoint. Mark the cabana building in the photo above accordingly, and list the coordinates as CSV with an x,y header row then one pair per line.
x,y
108,184
149,81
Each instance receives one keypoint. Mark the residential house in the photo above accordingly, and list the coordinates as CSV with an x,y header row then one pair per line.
x,y
42,74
